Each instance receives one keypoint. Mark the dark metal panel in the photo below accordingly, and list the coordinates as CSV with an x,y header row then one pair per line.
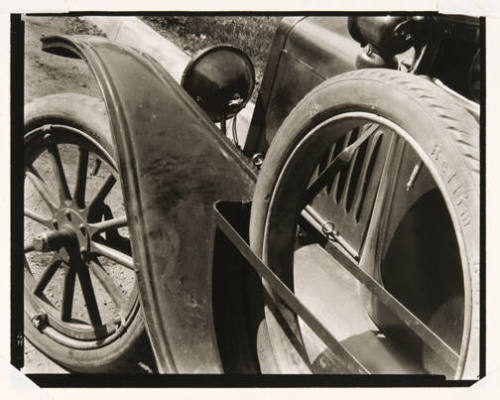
x,y
315,49
174,165
254,137
286,95
325,44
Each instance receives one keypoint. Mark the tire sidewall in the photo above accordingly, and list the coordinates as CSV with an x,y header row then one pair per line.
x,y
89,115
423,111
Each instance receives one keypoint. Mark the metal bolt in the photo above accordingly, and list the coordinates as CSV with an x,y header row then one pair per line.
x,y
323,362
41,242
39,320
119,324
328,229
47,138
236,100
258,159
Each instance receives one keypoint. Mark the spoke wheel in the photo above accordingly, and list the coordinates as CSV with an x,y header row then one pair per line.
x,y
81,299
367,208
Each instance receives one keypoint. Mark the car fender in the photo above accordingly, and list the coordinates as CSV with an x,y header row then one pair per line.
x,y
174,164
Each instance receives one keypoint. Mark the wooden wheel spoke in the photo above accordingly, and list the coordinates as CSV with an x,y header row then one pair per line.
x,y
37,218
102,192
57,166
89,296
341,161
113,254
109,224
108,284
46,277
81,177
40,187
68,294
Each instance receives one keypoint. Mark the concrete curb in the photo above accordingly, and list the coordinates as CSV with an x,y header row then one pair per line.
x,y
132,32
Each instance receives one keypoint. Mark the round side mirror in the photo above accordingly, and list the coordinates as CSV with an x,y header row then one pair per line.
x,y
221,80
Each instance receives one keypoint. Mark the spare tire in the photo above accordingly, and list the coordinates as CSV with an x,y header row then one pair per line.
x,y
402,204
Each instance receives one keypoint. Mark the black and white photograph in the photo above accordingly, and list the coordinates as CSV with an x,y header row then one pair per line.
x,y
248,199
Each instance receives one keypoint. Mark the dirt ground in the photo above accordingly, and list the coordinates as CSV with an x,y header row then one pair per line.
x,y
47,74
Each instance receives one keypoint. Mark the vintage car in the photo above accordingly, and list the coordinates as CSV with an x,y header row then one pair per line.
x,y
342,237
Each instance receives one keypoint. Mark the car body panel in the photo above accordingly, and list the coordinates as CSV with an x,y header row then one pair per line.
x,y
308,50
314,49
174,165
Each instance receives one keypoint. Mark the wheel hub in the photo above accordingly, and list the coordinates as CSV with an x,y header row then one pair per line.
x,y
70,233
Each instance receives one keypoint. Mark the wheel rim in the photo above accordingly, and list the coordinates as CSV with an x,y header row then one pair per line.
x,y
79,282
350,211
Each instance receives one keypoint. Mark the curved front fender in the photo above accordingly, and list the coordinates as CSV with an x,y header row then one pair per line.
x,y
174,164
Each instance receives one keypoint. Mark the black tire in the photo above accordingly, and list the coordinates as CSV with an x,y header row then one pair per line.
x,y
429,128
86,337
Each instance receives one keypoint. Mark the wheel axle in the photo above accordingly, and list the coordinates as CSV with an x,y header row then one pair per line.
x,y
52,240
